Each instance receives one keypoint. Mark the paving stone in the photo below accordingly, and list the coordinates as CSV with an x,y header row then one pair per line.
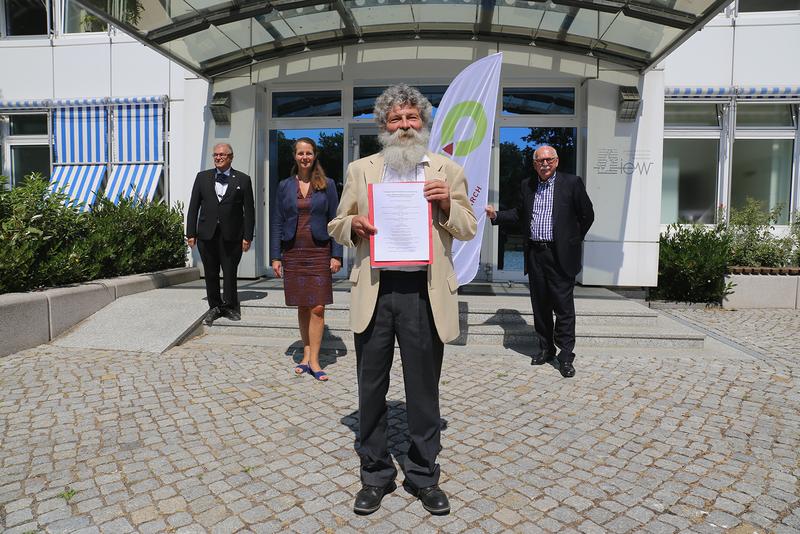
x,y
202,437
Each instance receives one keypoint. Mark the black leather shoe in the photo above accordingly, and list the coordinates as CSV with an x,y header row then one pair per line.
x,y
433,499
233,315
211,316
541,358
368,498
566,369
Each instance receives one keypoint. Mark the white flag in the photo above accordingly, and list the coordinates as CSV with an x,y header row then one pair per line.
x,y
463,131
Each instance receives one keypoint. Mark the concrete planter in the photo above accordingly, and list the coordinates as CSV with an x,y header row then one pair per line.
x,y
30,319
763,288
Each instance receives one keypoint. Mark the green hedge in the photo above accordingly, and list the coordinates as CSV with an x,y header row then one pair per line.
x,y
44,243
691,264
693,259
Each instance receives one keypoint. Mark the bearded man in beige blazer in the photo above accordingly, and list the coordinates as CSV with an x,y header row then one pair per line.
x,y
416,305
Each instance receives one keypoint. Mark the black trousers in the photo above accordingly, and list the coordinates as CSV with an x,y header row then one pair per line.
x,y
216,253
552,291
402,310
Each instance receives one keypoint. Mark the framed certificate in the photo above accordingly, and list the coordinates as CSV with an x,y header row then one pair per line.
x,y
403,218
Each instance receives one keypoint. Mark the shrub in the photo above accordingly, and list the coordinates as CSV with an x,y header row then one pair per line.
x,y
752,242
45,243
41,239
692,263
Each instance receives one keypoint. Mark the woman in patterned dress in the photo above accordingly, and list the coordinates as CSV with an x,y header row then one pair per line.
x,y
302,252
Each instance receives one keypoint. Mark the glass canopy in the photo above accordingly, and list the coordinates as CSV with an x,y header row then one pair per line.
x,y
211,37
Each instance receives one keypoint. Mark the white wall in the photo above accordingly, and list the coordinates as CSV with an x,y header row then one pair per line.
x,y
757,49
623,179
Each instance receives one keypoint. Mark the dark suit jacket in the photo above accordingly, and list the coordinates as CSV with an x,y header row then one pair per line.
x,y
573,215
283,226
235,212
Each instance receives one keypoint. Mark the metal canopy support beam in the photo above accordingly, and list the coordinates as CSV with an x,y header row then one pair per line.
x,y
350,24
664,16
485,16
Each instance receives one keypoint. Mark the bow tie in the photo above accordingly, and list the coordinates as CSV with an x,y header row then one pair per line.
x,y
222,178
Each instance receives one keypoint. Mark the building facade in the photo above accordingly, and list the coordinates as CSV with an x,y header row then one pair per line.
x,y
713,121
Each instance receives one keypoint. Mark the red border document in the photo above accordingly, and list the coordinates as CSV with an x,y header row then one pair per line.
x,y
404,221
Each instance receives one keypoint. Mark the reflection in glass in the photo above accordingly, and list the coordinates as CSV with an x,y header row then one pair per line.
x,y
78,20
25,17
307,104
364,98
26,159
689,183
516,164
538,101
368,145
764,115
762,170
330,143
691,115
34,124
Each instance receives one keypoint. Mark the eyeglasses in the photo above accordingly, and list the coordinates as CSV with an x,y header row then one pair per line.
x,y
542,161
222,155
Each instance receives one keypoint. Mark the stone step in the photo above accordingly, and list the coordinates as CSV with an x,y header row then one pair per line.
x,y
477,344
518,334
474,315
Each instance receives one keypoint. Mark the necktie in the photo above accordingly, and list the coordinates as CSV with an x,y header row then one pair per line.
x,y
222,178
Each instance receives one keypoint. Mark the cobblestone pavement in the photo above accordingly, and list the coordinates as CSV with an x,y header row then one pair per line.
x,y
226,439
775,334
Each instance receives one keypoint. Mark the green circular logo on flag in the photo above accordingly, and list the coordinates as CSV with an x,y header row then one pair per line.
x,y
467,109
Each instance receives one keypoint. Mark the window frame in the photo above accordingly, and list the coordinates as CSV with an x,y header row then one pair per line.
x,y
9,141
50,24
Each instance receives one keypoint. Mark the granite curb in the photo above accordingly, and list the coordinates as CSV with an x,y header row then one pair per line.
x,y
30,319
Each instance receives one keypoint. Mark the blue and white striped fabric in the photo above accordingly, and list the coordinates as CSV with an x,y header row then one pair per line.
x,y
79,182
699,92
770,92
133,181
24,104
80,134
139,132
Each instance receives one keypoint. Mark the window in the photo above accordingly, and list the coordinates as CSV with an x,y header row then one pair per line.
x,y
25,146
538,101
689,182
28,125
692,115
364,99
78,20
25,17
768,5
307,104
765,116
690,179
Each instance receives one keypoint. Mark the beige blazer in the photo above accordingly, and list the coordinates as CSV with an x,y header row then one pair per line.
x,y
442,281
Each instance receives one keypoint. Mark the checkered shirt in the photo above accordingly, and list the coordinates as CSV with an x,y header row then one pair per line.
x,y
542,217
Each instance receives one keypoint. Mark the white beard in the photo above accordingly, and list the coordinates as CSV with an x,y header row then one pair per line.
x,y
403,149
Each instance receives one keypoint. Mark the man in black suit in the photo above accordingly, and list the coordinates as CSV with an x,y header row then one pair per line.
x,y
220,221
556,213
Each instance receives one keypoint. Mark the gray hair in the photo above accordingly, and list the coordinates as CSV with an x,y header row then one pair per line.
x,y
226,145
402,95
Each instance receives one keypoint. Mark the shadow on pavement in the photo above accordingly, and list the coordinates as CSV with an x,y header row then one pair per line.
x,y
333,348
396,429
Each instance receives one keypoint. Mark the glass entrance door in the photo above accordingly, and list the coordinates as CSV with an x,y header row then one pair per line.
x,y
517,146
363,142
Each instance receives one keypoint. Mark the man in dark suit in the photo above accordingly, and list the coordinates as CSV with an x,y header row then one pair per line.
x,y
556,213
220,221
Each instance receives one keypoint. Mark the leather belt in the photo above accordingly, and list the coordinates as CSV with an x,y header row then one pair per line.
x,y
540,244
